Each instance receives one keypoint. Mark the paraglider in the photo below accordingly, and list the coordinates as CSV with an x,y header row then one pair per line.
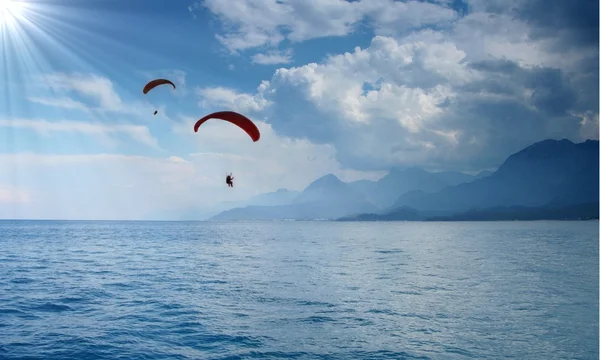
x,y
154,83
235,118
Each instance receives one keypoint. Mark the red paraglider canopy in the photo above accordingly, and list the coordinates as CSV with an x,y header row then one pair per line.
x,y
237,119
154,83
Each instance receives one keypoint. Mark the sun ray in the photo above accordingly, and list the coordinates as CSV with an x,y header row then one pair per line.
x,y
54,30
37,38
28,50
10,10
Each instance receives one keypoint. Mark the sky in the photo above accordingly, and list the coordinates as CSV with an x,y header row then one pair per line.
x,y
352,88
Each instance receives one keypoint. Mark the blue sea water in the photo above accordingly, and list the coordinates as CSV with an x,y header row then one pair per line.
x,y
298,290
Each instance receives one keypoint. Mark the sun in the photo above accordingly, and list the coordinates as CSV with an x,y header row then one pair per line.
x,y
10,9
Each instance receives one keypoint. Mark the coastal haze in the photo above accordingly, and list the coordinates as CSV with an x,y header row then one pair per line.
x,y
556,180
425,186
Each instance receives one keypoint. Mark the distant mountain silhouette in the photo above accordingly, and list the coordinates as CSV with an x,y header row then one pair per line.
x,y
535,176
279,197
329,198
483,174
386,190
541,179
326,198
549,179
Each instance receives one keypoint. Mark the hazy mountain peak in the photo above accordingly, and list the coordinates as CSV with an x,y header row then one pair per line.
x,y
325,181
534,176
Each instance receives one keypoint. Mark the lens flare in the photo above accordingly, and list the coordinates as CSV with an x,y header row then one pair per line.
x,y
10,9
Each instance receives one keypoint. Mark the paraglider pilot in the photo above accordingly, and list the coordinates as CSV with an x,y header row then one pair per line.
x,y
229,180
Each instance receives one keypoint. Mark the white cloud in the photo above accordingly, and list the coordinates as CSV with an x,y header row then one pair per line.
x,y
176,160
484,35
95,87
138,133
404,84
589,125
402,79
271,163
421,101
398,17
273,57
526,31
60,102
178,76
98,95
221,97
257,23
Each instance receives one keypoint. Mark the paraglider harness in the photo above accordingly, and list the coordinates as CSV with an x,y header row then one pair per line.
x,y
229,180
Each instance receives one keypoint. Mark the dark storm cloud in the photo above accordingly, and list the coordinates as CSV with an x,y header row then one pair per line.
x,y
510,109
551,90
578,19
491,128
571,23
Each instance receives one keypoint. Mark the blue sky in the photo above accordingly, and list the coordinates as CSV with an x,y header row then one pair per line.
x,y
350,88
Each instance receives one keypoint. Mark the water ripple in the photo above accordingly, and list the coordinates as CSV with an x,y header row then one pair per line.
x,y
298,290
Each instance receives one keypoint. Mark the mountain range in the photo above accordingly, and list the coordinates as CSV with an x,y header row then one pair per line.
x,y
550,176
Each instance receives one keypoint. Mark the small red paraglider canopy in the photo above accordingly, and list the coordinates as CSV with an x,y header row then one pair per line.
x,y
235,118
156,82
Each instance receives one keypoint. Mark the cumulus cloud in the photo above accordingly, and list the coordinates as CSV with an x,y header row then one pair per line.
x,y
259,23
221,97
462,97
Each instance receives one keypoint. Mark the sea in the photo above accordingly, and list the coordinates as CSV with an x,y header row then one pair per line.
x,y
298,290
